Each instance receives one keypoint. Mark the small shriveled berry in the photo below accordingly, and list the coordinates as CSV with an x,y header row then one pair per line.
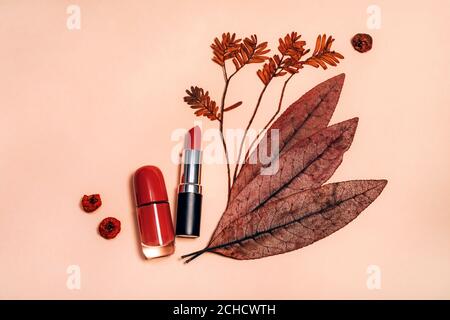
x,y
91,203
362,42
109,228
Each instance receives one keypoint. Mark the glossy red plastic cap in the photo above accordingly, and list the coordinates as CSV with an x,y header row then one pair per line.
x,y
149,186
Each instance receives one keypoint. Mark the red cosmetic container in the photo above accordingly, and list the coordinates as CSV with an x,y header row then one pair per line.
x,y
153,213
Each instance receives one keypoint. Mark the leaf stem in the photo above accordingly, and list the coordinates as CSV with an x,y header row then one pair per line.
x,y
269,229
224,72
221,122
280,102
236,168
222,106
195,254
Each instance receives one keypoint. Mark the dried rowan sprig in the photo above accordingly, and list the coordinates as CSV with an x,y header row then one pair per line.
x,y
225,49
243,53
200,101
289,60
250,52
292,50
292,46
269,70
322,54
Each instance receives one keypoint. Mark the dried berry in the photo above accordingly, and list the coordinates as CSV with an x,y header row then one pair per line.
x,y
91,203
362,42
109,228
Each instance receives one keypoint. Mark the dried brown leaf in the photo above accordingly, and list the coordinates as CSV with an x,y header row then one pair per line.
x,y
309,114
289,208
233,106
307,164
295,221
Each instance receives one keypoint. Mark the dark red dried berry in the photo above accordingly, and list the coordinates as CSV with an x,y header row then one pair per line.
x,y
109,228
362,42
91,203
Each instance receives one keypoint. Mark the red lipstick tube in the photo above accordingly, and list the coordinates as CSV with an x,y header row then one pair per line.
x,y
153,213
189,203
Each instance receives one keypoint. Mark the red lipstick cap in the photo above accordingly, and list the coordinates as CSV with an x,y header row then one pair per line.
x,y
149,186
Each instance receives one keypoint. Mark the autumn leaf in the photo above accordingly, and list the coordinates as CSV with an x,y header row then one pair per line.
x,y
309,114
233,106
307,164
295,221
269,214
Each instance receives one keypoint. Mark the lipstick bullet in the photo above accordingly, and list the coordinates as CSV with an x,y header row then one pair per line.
x,y
189,203
153,213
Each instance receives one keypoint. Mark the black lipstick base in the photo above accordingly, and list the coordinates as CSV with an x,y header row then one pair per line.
x,y
188,214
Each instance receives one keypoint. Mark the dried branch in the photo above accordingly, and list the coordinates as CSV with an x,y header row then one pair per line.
x,y
250,52
321,56
224,49
200,101
242,53
292,50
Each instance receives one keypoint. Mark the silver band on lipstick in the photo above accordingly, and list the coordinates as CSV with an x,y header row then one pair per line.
x,y
190,180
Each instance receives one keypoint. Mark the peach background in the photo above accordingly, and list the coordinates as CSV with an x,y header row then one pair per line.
x,y
81,110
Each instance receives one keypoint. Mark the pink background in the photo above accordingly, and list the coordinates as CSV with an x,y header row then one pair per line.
x,y
81,110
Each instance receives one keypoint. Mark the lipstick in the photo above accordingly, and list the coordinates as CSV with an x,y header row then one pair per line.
x,y
189,203
153,213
